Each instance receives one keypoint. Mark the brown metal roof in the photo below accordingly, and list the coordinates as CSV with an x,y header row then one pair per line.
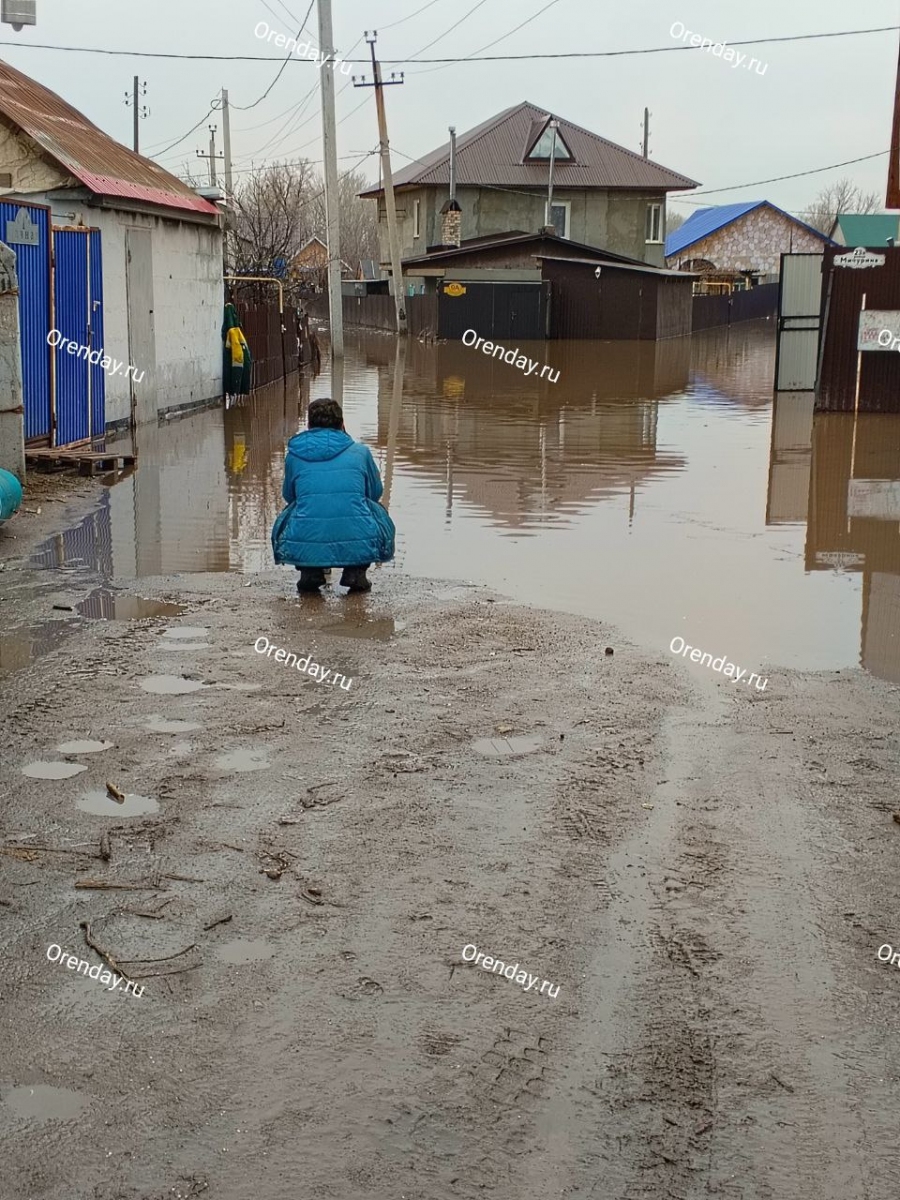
x,y
78,146
496,241
492,154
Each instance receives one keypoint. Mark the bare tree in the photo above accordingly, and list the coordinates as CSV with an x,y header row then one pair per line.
x,y
274,215
359,220
673,221
842,196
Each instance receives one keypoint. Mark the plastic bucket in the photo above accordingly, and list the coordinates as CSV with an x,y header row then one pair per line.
x,y
10,494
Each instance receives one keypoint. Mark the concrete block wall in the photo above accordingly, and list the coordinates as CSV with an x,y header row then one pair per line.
x,y
755,242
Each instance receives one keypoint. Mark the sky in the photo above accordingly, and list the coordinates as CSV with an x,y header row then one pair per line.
x,y
819,101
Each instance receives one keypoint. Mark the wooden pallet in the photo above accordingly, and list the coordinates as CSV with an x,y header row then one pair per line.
x,y
88,462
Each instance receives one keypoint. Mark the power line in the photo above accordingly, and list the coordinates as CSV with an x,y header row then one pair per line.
x,y
245,107
496,41
800,37
796,175
394,24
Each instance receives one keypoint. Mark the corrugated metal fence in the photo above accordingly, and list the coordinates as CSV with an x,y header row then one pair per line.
x,y
377,312
750,305
274,355
844,287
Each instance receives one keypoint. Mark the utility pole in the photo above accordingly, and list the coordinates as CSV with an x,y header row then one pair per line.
x,y
226,135
646,132
396,269
332,197
893,183
548,213
132,100
212,156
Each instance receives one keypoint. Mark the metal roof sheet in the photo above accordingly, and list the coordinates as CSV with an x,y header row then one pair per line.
x,y
491,155
646,268
95,159
868,229
709,220
500,240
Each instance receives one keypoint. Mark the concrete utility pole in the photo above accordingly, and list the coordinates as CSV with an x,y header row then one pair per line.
x,y
132,100
393,236
893,183
226,134
646,145
332,196
212,156
548,215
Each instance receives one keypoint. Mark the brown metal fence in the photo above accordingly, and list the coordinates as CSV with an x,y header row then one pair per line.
x,y
843,291
274,354
377,312
750,305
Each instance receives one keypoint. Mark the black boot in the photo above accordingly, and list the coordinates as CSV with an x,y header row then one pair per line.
x,y
355,579
311,579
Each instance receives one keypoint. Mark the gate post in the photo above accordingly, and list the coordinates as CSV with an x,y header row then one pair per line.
x,y
12,408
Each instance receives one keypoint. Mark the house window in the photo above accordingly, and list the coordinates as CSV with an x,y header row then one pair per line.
x,y
654,223
541,148
417,204
560,215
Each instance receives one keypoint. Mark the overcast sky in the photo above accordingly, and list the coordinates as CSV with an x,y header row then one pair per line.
x,y
819,102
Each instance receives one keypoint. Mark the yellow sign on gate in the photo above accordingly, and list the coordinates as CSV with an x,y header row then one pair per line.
x,y
454,289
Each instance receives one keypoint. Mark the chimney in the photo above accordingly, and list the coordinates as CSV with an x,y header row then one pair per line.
x,y
451,213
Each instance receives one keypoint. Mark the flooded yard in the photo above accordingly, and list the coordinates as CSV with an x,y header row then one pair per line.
x,y
652,487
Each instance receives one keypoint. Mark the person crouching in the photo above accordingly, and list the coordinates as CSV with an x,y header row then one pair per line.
x,y
333,518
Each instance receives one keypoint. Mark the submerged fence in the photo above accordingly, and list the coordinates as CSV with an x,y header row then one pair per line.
x,y
377,312
274,355
750,305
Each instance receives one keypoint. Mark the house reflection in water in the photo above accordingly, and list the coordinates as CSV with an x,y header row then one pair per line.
x,y
841,475
522,451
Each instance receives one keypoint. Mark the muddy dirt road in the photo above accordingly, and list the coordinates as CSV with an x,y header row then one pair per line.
x,y
705,873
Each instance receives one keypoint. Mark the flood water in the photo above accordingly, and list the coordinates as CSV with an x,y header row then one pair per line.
x,y
656,487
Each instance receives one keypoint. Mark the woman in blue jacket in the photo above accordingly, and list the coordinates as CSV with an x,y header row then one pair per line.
x,y
333,518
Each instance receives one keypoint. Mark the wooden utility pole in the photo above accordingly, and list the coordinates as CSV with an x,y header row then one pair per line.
x,y
226,135
893,184
390,207
332,196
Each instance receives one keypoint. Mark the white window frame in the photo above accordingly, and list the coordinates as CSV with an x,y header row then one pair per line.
x,y
417,205
649,222
566,205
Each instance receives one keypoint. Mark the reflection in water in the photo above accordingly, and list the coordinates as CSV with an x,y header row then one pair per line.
x,y
652,486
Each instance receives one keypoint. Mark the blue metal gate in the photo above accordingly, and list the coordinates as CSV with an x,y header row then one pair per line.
x,y
80,384
26,230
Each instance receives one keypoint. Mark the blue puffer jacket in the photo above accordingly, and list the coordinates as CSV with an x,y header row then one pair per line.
x,y
333,518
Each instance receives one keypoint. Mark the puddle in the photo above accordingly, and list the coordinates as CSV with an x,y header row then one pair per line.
x,y
162,725
85,746
237,687
102,805
44,1103
53,770
501,747
170,685
243,760
245,950
379,630
186,631
180,749
105,605
184,646
21,645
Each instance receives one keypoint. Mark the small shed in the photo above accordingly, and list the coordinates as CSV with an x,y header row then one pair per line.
x,y
616,300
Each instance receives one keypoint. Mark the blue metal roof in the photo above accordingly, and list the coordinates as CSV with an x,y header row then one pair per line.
x,y
708,220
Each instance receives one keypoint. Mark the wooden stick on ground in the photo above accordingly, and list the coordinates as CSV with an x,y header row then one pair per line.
x,y
104,954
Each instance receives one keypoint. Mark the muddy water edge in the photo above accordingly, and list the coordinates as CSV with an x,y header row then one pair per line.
x,y
707,873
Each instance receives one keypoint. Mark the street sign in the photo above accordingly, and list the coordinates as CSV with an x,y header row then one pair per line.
x,y
859,258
